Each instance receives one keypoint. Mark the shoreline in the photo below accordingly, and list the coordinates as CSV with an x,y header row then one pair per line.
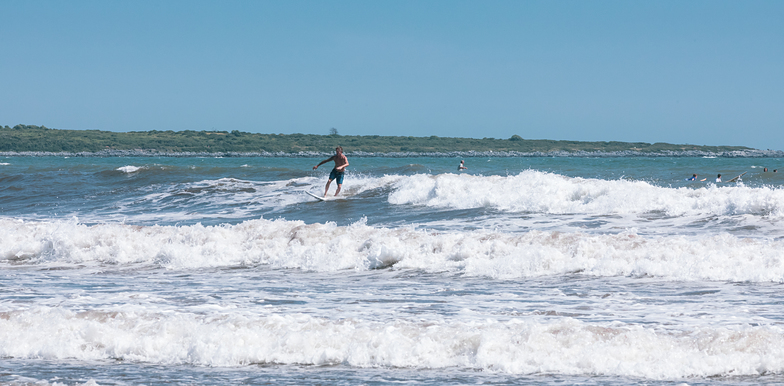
x,y
754,153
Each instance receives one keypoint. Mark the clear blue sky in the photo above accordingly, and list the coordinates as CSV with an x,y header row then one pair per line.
x,y
698,72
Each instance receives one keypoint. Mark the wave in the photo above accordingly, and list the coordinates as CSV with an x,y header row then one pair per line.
x,y
233,192
540,192
129,169
518,346
223,197
527,192
142,198
331,248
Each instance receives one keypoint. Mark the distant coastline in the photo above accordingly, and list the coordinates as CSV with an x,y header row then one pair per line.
x,y
752,153
39,141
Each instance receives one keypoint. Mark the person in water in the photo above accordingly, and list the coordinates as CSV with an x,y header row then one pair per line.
x,y
718,178
693,178
338,171
461,166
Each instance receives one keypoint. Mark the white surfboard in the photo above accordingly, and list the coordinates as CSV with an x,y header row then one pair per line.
x,y
320,198
327,198
737,178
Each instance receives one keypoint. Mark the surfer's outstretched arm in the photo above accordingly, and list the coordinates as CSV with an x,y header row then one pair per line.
x,y
323,162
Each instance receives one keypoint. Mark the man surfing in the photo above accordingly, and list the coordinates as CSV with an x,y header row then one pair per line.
x,y
337,172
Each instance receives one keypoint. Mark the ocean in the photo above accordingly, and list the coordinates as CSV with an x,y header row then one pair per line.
x,y
518,270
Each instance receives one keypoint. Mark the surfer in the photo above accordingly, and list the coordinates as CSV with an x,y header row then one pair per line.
x,y
693,178
461,166
338,171
718,179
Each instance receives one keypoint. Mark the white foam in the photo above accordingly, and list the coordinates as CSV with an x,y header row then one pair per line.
x,y
327,247
23,380
539,192
518,346
129,169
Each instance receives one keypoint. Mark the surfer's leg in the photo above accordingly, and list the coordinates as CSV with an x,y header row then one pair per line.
x,y
339,182
327,188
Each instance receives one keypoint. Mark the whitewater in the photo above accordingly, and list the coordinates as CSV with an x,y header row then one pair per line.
x,y
518,270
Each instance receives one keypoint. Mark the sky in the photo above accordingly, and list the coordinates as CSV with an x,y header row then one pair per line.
x,y
685,72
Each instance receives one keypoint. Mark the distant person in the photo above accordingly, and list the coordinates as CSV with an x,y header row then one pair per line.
x,y
338,171
461,166
775,170
765,170
692,178
718,178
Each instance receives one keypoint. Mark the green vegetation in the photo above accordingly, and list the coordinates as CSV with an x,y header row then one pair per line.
x,y
24,138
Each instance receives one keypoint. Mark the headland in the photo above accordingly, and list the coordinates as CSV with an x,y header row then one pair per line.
x,y
28,140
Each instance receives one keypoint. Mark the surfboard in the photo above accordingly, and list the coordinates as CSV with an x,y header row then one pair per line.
x,y
320,198
737,178
327,198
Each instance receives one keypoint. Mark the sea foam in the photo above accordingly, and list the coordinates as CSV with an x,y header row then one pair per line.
x,y
329,248
540,192
129,169
518,346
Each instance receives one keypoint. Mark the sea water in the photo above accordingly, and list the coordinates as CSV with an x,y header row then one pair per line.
x,y
611,271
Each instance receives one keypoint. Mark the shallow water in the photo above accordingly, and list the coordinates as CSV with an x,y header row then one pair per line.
x,y
516,271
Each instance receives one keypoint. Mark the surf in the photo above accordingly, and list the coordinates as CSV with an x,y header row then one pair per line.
x,y
534,191
360,247
533,345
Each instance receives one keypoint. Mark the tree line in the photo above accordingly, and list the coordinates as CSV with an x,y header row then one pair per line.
x,y
31,138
